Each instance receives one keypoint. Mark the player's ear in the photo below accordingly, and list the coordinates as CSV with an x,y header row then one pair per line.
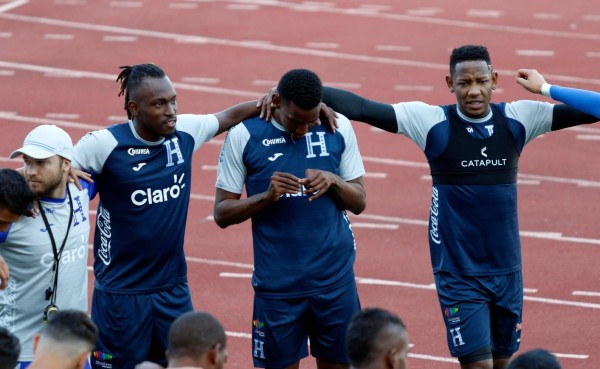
x,y
450,84
133,108
276,100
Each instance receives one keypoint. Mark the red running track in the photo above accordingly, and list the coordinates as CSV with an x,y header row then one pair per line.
x,y
59,59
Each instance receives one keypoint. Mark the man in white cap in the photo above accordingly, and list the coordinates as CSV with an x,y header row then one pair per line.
x,y
47,254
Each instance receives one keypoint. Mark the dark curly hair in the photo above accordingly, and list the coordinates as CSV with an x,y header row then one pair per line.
x,y
469,53
15,194
301,86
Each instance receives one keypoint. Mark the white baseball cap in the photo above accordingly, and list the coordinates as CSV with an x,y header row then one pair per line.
x,y
45,141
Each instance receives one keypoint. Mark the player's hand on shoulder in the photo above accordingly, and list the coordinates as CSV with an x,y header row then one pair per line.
x,y
328,115
266,104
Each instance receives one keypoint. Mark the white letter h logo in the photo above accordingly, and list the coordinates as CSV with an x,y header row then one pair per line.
x,y
320,143
173,151
456,337
259,349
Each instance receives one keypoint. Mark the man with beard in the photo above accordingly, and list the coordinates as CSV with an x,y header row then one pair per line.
x,y
47,254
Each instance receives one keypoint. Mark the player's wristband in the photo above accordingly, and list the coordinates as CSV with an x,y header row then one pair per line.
x,y
546,89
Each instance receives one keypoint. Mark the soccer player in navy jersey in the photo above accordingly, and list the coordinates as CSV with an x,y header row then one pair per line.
x,y
473,148
142,169
300,180
584,100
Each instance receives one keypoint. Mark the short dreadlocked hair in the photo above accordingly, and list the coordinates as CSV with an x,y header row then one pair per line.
x,y
301,86
132,75
469,53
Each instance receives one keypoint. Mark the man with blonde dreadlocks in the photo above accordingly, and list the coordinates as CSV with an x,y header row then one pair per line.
x,y
142,169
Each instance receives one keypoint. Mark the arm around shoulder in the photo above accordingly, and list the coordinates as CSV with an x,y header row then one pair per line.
x,y
235,114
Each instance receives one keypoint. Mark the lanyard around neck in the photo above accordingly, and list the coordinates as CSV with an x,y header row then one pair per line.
x,y
51,292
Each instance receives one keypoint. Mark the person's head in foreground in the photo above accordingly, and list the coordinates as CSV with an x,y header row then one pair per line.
x,y
150,100
535,359
197,339
10,348
47,154
298,101
65,342
16,198
472,79
377,339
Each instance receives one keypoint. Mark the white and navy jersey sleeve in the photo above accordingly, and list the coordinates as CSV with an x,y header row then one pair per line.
x,y
583,100
231,171
534,116
92,150
201,127
351,165
415,120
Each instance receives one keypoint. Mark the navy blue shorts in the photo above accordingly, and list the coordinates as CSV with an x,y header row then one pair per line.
x,y
282,327
135,328
481,311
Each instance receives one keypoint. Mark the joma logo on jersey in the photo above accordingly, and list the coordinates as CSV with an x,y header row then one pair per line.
x,y
134,152
155,196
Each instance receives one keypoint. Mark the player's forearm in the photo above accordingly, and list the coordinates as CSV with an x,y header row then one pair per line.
x,y
351,195
234,211
235,114
564,116
584,100
357,108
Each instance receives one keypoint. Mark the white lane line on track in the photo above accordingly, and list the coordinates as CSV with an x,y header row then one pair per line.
x,y
116,38
7,73
534,52
484,13
12,5
126,4
183,6
425,12
59,36
375,225
297,50
111,77
402,48
200,80
588,137
430,287
242,7
586,293
419,18
547,16
6,34
62,116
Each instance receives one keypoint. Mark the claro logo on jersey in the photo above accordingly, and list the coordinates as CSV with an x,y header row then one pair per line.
x,y
151,196
103,224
